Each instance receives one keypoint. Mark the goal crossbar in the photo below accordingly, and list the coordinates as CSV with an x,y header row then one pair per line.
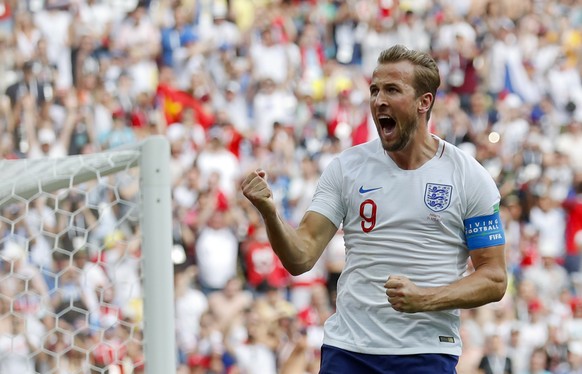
x,y
27,178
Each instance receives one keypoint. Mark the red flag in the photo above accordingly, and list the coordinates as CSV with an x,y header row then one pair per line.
x,y
174,101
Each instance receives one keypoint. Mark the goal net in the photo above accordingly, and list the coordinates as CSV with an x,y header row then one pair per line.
x,y
85,263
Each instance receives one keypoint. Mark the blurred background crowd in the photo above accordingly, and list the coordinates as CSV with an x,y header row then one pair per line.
x,y
283,85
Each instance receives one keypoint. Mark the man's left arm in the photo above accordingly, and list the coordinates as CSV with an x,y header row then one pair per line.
x,y
485,240
485,285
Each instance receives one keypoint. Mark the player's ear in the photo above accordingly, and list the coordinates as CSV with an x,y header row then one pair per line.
x,y
424,102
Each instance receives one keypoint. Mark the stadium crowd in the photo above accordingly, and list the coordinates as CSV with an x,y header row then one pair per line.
x,y
283,85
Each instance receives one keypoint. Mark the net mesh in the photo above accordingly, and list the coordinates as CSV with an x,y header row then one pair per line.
x,y
70,275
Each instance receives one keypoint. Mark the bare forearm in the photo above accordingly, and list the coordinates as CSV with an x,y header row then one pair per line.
x,y
297,361
289,247
479,288
298,249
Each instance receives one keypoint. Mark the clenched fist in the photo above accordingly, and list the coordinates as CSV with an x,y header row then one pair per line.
x,y
256,189
403,294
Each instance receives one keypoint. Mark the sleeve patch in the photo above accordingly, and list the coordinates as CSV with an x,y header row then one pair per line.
x,y
484,231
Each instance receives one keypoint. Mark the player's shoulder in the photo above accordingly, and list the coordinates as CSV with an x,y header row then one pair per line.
x,y
464,163
351,159
458,155
356,152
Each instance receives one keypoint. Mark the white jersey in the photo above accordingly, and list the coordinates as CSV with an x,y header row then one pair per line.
x,y
401,222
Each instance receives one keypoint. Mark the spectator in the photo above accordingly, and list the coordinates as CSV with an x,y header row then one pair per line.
x,y
570,140
24,285
228,305
96,19
28,84
190,306
270,59
517,351
54,23
495,359
16,347
27,36
472,352
573,207
348,118
565,100
120,132
272,104
572,326
548,276
537,362
174,38
236,107
257,352
216,159
182,152
548,218
261,264
223,34
216,250
535,332
121,263
556,348
92,278
573,365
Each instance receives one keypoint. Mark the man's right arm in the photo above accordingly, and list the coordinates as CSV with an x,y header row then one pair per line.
x,y
298,249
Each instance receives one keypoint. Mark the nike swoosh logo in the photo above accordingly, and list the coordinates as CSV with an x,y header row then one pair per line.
x,y
364,190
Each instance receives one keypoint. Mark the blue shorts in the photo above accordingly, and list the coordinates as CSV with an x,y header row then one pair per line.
x,y
339,361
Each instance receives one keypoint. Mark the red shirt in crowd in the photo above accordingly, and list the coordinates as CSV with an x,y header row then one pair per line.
x,y
573,207
263,265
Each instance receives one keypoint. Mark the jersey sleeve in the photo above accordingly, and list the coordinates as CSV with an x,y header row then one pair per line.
x,y
483,226
327,199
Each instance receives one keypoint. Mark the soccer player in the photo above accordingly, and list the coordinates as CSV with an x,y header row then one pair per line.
x,y
414,208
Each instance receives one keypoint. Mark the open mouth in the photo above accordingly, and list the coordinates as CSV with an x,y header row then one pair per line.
x,y
388,124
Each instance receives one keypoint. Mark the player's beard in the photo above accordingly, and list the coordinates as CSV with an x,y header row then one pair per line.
x,y
405,131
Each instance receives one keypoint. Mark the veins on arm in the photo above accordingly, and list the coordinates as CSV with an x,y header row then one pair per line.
x,y
486,284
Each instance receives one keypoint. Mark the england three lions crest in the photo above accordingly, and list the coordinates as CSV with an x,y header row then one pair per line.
x,y
437,197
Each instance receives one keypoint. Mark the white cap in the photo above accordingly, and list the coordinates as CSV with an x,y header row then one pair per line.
x,y
575,347
547,248
529,173
78,242
469,148
46,136
232,86
513,101
176,132
220,10
12,251
178,254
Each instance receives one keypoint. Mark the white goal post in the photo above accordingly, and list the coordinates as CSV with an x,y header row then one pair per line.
x,y
22,181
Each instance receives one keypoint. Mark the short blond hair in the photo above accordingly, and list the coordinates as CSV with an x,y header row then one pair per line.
x,y
426,71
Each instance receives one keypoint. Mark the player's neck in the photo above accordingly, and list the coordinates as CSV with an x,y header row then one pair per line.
x,y
420,150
